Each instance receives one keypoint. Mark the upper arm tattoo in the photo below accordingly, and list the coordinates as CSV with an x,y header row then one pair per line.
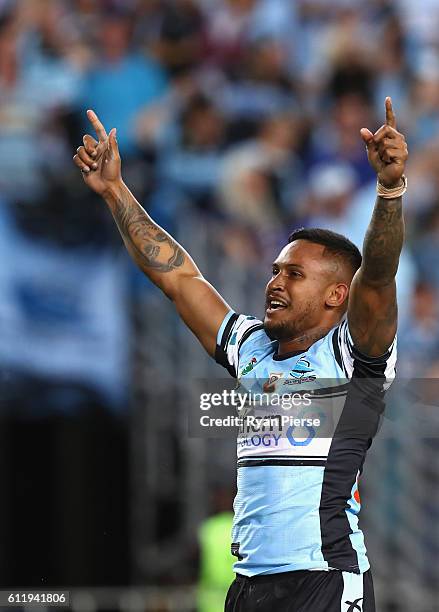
x,y
372,306
383,241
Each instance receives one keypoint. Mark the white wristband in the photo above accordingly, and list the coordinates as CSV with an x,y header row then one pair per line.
x,y
395,192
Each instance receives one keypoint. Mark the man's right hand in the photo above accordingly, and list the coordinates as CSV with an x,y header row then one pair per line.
x,y
157,254
99,160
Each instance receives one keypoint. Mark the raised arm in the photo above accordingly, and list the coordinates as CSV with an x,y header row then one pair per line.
x,y
156,253
372,311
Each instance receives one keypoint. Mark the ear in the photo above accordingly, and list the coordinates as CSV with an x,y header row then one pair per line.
x,y
337,295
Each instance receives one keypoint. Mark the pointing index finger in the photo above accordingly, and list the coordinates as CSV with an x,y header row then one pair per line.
x,y
97,125
390,115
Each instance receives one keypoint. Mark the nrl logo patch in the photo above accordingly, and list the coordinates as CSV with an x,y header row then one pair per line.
x,y
249,367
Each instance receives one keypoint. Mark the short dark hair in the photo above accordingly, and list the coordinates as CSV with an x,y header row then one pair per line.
x,y
334,243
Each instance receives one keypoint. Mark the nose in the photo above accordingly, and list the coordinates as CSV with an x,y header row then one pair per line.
x,y
276,283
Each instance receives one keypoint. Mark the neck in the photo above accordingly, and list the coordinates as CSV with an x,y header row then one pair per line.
x,y
303,341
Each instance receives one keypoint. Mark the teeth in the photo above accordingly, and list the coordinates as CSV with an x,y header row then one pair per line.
x,y
274,303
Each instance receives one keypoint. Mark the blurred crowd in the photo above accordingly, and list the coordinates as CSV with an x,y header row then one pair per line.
x,y
244,113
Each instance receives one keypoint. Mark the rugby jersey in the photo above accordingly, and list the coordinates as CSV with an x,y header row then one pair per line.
x,y
297,500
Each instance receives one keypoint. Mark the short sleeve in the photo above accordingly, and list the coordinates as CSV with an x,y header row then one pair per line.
x,y
356,364
235,330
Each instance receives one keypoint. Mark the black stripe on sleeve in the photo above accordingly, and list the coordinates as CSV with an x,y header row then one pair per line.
x,y
348,343
248,333
221,349
372,361
372,366
336,349
228,331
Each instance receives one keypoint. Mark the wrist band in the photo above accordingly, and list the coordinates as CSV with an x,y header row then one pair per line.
x,y
394,192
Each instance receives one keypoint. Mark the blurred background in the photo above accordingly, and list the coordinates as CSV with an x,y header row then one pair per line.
x,y
238,121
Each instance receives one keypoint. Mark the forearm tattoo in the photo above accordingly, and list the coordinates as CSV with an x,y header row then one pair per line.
x,y
152,248
384,240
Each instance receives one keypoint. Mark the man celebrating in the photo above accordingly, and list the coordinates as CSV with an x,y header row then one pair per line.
x,y
329,312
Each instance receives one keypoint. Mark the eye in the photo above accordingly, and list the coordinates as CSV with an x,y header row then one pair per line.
x,y
296,274
275,270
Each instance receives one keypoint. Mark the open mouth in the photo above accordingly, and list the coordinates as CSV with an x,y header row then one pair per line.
x,y
275,305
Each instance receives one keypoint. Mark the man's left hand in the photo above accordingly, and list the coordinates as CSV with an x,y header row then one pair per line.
x,y
387,150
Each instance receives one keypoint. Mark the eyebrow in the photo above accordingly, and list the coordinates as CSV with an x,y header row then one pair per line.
x,y
288,265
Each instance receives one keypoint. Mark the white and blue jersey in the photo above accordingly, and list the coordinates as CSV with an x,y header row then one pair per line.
x,y
297,503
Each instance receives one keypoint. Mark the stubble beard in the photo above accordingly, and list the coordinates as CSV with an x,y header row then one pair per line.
x,y
281,330
290,329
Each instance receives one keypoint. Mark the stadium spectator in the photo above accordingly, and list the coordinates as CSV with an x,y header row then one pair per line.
x,y
122,81
419,337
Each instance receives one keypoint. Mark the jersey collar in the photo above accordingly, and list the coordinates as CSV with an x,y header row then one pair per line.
x,y
277,357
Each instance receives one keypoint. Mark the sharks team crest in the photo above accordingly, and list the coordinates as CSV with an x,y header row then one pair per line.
x,y
302,372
